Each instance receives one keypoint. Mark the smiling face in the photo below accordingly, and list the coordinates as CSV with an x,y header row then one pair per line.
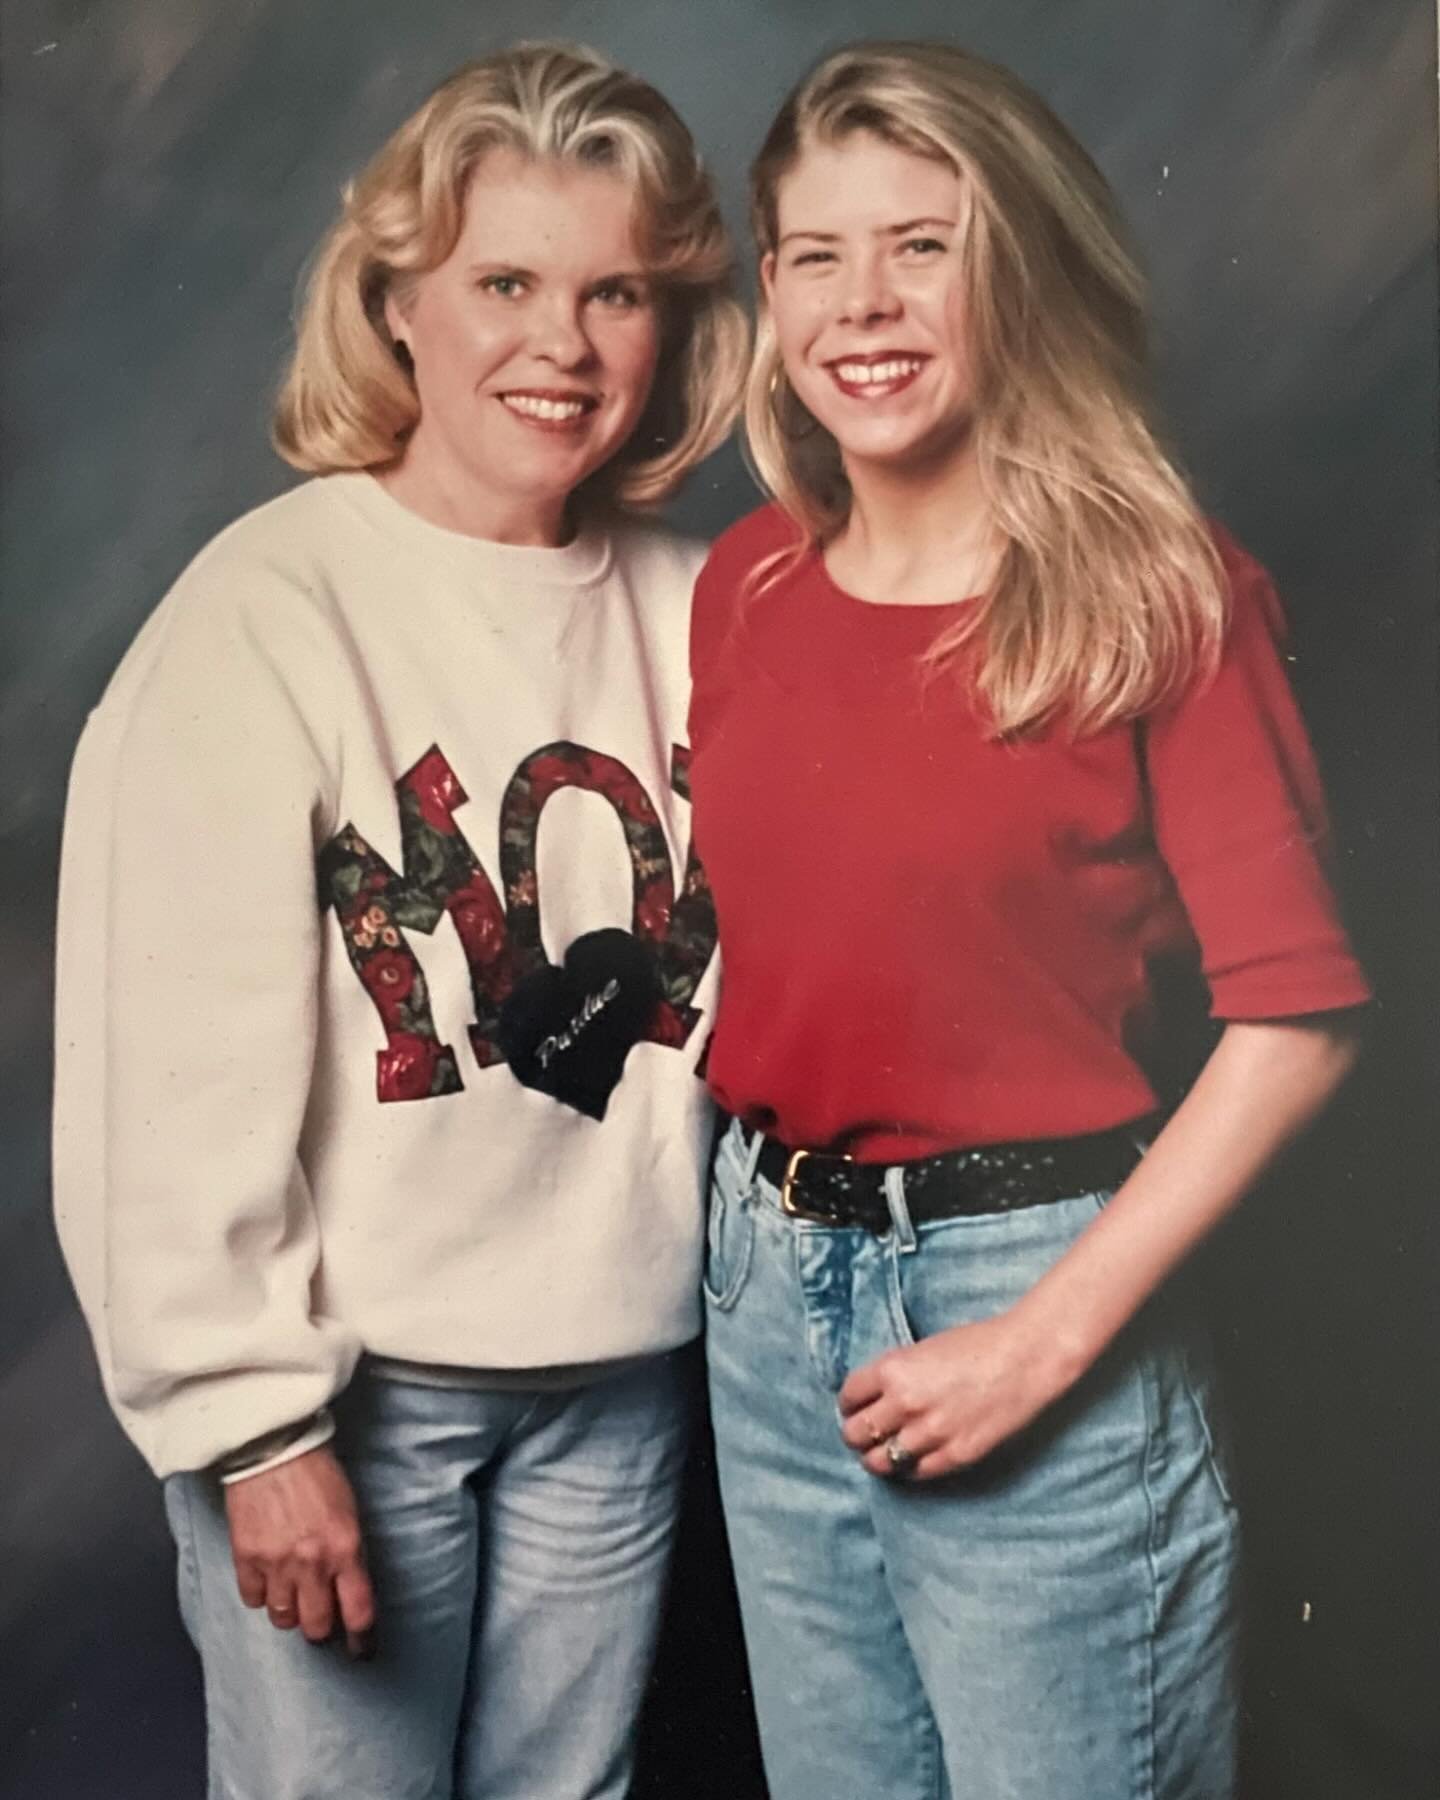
x,y
534,347
866,293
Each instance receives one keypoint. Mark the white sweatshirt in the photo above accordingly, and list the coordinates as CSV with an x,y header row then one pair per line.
x,y
310,849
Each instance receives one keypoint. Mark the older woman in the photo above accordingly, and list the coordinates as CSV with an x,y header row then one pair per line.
x,y
379,1183
991,734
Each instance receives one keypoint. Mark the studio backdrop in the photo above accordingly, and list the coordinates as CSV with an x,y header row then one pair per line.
x,y
168,164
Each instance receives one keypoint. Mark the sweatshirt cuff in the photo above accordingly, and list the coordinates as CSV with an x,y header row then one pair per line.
x,y
276,1447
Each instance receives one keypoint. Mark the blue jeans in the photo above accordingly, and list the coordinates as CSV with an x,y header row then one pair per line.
x,y
1055,1623
518,1543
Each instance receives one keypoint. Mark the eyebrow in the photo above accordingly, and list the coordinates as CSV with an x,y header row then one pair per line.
x,y
833,237
637,277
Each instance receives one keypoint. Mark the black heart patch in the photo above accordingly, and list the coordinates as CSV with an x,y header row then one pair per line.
x,y
566,1031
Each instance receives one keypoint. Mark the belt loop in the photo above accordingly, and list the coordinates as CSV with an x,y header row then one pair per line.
x,y
900,1220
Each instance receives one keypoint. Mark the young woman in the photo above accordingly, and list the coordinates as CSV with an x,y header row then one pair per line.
x,y
991,738
381,971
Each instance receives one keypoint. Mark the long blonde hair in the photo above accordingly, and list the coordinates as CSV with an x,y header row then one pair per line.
x,y
1108,598
347,400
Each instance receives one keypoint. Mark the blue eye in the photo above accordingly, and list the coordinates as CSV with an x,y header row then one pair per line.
x,y
621,296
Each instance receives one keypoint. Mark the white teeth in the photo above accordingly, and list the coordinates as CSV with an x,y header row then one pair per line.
x,y
536,408
861,374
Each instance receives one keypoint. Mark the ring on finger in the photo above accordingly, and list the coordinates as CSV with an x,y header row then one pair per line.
x,y
901,1460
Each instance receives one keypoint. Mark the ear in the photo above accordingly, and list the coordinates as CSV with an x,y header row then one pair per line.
x,y
767,274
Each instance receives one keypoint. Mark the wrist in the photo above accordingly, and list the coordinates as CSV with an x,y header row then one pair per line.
x,y
274,1448
1054,1343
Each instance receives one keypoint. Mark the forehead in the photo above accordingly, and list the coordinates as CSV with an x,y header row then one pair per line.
x,y
864,183
532,211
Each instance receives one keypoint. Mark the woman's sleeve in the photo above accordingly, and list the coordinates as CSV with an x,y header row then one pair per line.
x,y
186,1014
1239,817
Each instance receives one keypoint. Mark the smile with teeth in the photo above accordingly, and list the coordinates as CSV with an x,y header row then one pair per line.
x,y
863,374
549,409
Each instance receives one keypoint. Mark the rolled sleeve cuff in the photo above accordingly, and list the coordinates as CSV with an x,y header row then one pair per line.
x,y
1288,993
277,1447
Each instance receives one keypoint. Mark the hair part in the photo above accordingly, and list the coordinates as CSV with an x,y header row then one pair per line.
x,y
347,400
1109,597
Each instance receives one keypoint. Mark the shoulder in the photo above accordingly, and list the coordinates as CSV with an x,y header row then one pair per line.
x,y
737,558
1249,677
738,552
258,592
287,545
292,540
1253,604
652,552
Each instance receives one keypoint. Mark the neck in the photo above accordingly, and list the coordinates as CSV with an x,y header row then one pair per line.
x,y
912,538
447,496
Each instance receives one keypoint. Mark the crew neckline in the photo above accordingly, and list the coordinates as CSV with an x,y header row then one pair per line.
x,y
583,562
886,608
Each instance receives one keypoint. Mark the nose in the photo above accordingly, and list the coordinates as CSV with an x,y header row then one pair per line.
x,y
560,336
869,297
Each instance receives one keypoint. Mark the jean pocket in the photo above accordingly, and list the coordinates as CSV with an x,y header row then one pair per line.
x,y
1200,1389
729,1244
976,1266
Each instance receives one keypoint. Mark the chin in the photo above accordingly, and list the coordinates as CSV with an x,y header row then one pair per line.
x,y
885,452
548,477
923,454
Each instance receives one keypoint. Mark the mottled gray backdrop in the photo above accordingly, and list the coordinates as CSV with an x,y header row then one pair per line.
x,y
167,164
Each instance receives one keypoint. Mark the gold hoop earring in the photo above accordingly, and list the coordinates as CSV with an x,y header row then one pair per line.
x,y
779,387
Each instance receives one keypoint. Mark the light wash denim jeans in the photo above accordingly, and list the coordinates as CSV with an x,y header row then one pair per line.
x,y
1056,1623
518,1543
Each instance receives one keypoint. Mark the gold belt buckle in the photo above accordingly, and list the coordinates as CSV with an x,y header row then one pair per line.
x,y
788,1204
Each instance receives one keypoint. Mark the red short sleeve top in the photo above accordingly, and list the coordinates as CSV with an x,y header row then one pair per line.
x,y
931,938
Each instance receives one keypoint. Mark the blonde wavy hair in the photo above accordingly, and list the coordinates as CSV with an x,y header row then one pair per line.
x,y
1109,596
347,400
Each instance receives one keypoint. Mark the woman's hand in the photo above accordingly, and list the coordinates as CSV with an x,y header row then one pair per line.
x,y
949,1400
295,1538
952,1398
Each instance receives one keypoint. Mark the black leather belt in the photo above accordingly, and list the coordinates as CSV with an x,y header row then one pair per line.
x,y
830,1189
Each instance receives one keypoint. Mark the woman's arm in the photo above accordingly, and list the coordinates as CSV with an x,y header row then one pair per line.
x,y
954,1397
189,938
186,1017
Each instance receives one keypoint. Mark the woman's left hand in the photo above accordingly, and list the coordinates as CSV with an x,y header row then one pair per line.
x,y
946,1402
952,1398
